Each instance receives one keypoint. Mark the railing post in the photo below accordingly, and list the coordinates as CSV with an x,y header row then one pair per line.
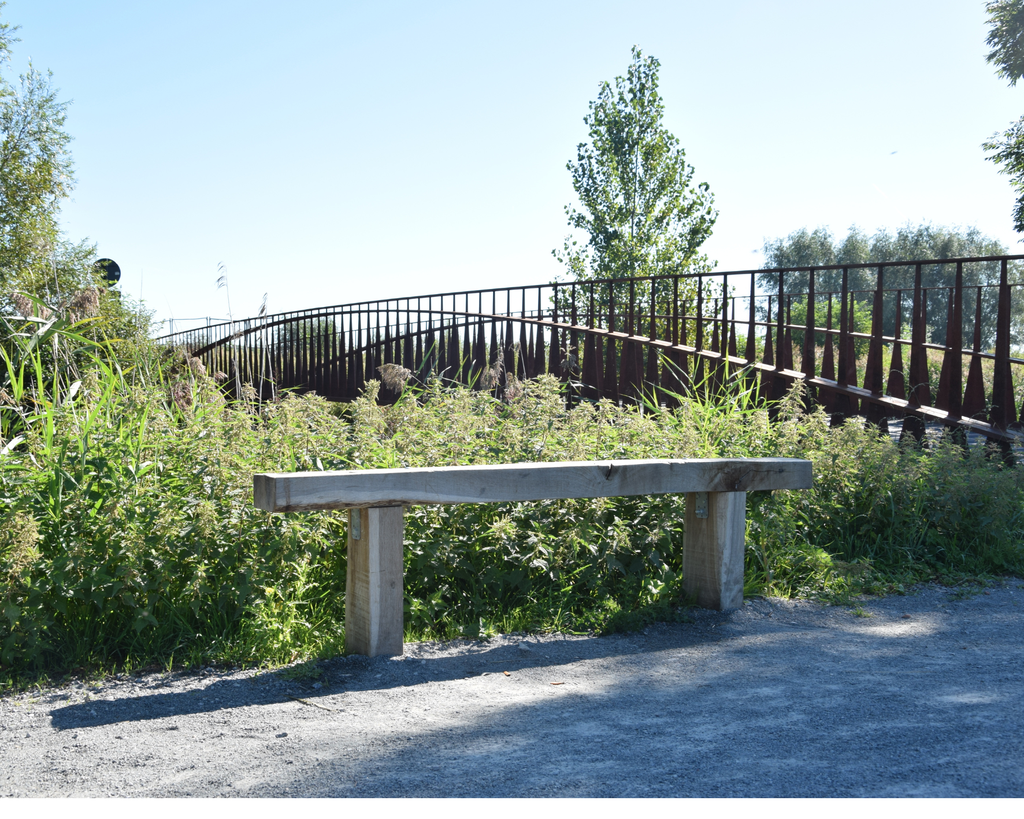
x,y
920,394
539,353
896,386
778,384
951,381
974,392
591,356
611,373
751,347
651,371
698,343
525,365
554,362
827,398
722,373
873,371
570,364
731,349
767,379
684,357
751,350
810,342
360,361
494,353
458,352
1004,410
466,362
628,375
787,361
476,376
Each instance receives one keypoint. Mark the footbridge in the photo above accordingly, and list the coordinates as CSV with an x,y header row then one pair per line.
x,y
922,341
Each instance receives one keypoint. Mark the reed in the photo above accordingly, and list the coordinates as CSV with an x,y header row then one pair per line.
x,y
129,536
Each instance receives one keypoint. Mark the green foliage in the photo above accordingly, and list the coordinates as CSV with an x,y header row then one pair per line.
x,y
121,322
130,537
640,209
133,495
881,516
1006,38
804,248
1006,150
35,175
861,323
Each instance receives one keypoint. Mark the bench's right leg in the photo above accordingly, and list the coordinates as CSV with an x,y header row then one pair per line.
x,y
373,586
713,549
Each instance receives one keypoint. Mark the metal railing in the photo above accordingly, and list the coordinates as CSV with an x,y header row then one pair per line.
x,y
881,340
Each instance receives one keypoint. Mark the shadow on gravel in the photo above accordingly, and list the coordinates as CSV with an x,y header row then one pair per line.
x,y
902,697
342,674
863,709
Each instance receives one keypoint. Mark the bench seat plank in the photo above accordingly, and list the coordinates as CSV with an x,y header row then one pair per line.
x,y
352,489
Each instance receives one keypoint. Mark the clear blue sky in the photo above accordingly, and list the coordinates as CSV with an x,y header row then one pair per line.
x,y
328,152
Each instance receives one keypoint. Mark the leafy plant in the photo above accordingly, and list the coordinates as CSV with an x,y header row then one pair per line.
x,y
130,538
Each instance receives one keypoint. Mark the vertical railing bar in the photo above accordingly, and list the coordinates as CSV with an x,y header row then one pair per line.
x,y
780,356
651,371
1004,410
675,309
810,342
611,375
751,350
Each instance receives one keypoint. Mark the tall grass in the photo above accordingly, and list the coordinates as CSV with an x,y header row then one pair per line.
x,y
129,536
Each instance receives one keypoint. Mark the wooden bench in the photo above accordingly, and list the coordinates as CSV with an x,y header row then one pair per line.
x,y
713,545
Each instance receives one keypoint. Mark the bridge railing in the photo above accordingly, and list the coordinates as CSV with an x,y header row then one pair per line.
x,y
920,340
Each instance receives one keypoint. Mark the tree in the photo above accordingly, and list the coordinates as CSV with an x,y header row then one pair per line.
x,y
804,248
639,207
1006,38
36,174
36,260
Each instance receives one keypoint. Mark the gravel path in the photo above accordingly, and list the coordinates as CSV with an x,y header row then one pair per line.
x,y
916,695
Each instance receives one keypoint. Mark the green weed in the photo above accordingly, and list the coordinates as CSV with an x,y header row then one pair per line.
x,y
129,537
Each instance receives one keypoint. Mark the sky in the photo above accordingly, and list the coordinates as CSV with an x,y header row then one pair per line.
x,y
324,153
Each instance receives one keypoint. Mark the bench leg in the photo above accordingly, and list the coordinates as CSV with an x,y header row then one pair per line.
x,y
373,587
713,549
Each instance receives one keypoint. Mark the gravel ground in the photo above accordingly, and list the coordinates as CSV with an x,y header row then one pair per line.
x,y
916,695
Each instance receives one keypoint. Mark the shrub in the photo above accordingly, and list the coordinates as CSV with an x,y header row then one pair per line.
x,y
129,534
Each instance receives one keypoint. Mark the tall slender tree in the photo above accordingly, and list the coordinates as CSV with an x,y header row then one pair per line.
x,y
638,205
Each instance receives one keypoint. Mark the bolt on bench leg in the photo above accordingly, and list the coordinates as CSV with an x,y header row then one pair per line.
x,y
373,587
713,549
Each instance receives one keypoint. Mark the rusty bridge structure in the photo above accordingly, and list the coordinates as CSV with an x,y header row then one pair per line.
x,y
920,341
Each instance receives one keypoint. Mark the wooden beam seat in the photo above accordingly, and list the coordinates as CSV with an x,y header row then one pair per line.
x,y
714,532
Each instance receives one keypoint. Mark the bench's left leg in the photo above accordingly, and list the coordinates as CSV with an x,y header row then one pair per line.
x,y
373,587
713,549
